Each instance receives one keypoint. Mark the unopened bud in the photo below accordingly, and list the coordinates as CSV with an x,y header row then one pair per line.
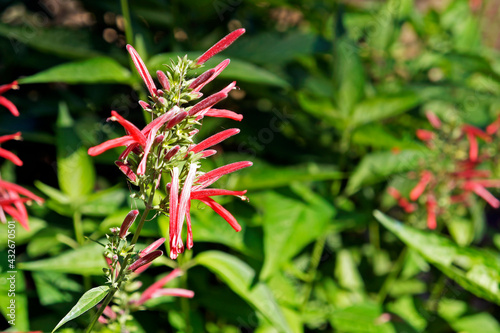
x,y
145,260
153,246
129,219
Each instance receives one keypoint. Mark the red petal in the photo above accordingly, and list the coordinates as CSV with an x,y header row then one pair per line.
x,y
20,190
9,86
222,212
143,71
203,193
220,46
214,139
220,113
131,128
417,191
157,285
163,80
211,176
15,136
9,105
173,208
10,156
185,197
113,143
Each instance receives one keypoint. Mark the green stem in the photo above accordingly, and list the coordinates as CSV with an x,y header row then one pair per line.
x,y
311,274
129,35
389,281
125,263
77,224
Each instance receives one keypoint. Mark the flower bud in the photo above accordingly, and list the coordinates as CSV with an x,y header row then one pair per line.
x,y
145,260
153,246
129,219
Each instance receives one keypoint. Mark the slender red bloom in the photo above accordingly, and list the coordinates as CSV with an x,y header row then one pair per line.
x,y
145,260
151,247
173,206
143,71
220,46
212,176
157,290
208,76
481,191
433,119
425,135
11,202
214,139
5,102
417,191
7,154
493,127
221,113
211,100
431,212
126,171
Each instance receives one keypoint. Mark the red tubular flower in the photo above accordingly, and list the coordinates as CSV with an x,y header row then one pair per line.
x,y
472,134
151,247
220,46
127,222
5,102
182,209
208,76
174,198
212,176
402,202
493,127
143,71
223,114
12,203
425,135
214,139
145,260
126,170
431,212
211,100
7,154
155,290
481,191
433,119
417,191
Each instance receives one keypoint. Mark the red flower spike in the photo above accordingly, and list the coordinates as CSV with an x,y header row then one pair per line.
x,y
151,247
113,143
174,197
127,222
143,71
214,139
417,191
431,212
220,113
433,119
220,46
157,285
145,260
226,215
163,80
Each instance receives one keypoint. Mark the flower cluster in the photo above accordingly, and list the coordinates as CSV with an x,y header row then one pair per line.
x,y
456,169
13,197
165,148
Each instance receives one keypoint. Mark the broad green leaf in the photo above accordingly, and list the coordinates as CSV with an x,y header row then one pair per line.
x,y
85,260
75,170
52,193
90,71
20,314
90,299
265,176
481,322
237,70
382,107
364,135
323,109
290,224
476,270
240,278
346,271
63,42
103,203
379,166
349,76
406,308
53,288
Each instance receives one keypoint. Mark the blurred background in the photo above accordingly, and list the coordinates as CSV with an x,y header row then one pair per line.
x,y
331,92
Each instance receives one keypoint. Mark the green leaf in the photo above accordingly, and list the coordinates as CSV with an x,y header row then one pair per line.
x,y
470,324
240,278
53,288
385,139
103,203
90,71
477,271
265,176
237,70
90,299
349,76
290,224
52,193
63,42
85,260
377,167
382,107
75,170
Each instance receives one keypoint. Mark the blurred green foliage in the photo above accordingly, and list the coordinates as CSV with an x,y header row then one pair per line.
x,y
329,90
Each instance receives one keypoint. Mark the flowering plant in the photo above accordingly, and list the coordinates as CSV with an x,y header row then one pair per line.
x,y
165,149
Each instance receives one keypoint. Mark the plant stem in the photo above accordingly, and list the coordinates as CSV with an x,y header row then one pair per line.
x,y
311,274
396,268
129,36
77,225
125,263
